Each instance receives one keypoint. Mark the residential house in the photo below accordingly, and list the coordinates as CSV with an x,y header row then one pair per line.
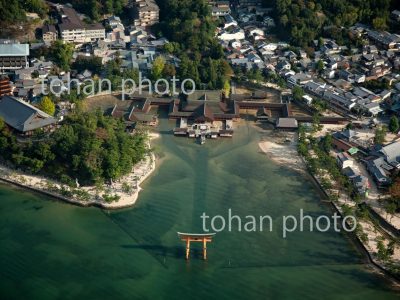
x,y
49,34
315,88
234,34
344,160
145,12
391,154
229,21
235,44
338,101
220,8
250,4
115,22
299,79
376,167
396,15
330,47
269,22
384,39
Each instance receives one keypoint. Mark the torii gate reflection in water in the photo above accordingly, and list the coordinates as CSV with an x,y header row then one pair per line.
x,y
196,237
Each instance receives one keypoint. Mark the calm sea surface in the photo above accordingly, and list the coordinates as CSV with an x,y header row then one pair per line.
x,y
52,250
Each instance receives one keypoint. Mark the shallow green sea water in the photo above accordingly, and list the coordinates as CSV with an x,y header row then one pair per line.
x,y
52,250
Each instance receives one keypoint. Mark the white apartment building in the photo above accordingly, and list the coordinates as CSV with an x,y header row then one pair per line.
x,y
72,29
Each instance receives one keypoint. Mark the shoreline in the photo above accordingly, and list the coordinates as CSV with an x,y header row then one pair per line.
x,y
140,172
281,148
285,154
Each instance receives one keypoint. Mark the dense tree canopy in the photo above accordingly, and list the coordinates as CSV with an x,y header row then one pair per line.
x,y
303,20
92,63
13,11
94,9
61,53
88,146
189,26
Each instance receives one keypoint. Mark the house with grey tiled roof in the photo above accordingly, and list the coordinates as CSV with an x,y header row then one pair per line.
x,y
396,15
391,153
376,168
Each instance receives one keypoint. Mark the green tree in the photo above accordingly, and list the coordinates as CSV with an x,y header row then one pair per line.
x,y
380,134
327,143
227,88
391,208
384,253
298,93
316,123
62,54
47,105
169,48
320,66
379,23
394,124
157,68
93,64
169,70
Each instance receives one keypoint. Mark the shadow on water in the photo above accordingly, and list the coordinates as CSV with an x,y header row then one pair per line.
x,y
162,252
159,250
233,265
135,239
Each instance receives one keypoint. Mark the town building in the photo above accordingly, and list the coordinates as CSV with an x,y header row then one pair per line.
x,y
49,34
384,39
396,15
249,4
235,33
5,86
23,117
344,160
115,22
360,182
391,154
220,8
145,12
73,29
13,55
287,124
205,106
379,170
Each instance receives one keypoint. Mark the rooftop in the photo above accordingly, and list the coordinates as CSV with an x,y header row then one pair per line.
x,y
14,50
286,123
23,116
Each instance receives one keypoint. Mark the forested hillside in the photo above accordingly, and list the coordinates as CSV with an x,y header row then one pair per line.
x,y
88,146
13,11
303,20
191,29
94,9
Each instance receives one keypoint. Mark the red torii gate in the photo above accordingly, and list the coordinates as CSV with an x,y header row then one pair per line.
x,y
196,237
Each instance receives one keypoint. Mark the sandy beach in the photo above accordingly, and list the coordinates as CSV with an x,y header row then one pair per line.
x,y
282,149
139,174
